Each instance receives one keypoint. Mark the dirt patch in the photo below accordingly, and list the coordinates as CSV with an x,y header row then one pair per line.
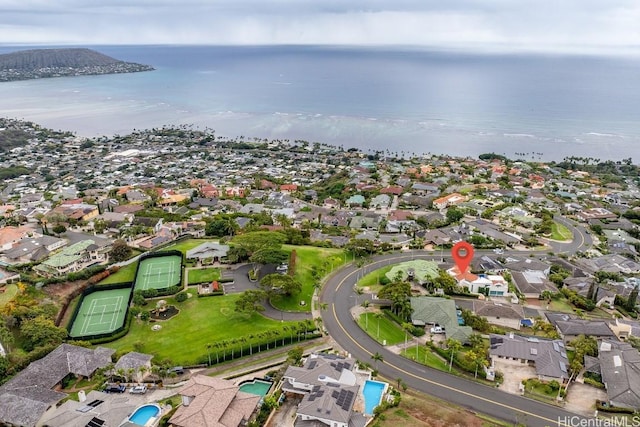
x,y
164,314
64,289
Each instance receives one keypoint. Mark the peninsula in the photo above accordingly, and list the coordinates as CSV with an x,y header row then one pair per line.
x,y
43,63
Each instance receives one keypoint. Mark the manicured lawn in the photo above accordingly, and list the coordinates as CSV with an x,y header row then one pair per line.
x,y
561,305
187,245
202,275
560,232
183,339
381,328
424,356
312,264
372,280
9,292
123,275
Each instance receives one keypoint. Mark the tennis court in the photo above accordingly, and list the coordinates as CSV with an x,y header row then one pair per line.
x,y
158,272
101,312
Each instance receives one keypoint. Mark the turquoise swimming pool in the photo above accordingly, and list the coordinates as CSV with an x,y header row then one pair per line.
x,y
372,391
143,414
256,386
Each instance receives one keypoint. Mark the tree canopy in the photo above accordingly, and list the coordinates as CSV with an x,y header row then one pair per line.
x,y
280,284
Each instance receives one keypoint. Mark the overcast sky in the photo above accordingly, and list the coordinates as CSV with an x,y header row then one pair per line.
x,y
554,25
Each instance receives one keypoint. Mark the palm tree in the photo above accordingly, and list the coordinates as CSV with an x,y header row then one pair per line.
x,y
377,357
454,346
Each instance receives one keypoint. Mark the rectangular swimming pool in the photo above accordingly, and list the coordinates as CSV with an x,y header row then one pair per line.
x,y
372,391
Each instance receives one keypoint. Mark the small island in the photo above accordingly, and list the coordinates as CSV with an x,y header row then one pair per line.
x,y
45,63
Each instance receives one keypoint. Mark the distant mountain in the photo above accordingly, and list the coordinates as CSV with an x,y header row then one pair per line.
x,y
43,63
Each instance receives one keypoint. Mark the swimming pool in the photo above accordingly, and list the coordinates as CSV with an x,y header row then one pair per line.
x,y
256,386
372,392
143,414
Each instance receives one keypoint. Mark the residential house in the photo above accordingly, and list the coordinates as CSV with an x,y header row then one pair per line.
x,y
619,367
26,397
572,328
449,200
209,401
212,251
133,362
355,200
595,213
500,313
612,263
549,357
381,201
492,231
74,258
530,276
31,250
439,312
11,235
328,388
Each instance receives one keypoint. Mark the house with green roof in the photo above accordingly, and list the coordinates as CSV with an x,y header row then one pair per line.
x,y
74,258
439,312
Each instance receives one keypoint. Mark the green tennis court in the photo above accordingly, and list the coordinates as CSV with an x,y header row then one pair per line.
x,y
101,312
158,272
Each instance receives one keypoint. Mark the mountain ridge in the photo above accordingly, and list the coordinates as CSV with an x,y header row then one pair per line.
x,y
44,63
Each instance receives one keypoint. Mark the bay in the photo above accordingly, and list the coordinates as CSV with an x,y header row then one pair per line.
x,y
404,100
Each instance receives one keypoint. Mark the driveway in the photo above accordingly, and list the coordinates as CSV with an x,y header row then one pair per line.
x,y
513,373
581,398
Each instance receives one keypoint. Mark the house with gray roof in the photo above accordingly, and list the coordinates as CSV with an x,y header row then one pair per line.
x,y
138,363
618,364
572,328
532,283
208,250
503,314
26,397
549,357
439,312
329,388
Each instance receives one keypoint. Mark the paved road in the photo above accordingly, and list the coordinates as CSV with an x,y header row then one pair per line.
x,y
339,295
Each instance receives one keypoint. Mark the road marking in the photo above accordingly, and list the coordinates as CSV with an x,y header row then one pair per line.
x,y
465,393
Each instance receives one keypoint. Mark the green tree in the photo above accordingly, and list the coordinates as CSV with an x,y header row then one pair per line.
x,y
120,251
41,331
281,284
59,229
454,214
631,300
377,357
250,301
294,356
4,367
454,346
222,226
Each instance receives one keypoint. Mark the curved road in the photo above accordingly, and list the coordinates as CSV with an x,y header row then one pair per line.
x,y
337,319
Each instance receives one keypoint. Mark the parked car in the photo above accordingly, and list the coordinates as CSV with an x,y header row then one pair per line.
x,y
115,388
138,389
437,330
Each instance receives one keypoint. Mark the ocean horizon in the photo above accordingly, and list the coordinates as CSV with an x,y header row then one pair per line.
x,y
406,101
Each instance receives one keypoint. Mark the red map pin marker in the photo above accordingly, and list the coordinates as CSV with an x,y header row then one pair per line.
x,y
462,253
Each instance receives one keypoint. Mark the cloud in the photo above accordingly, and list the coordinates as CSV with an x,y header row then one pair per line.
x,y
522,24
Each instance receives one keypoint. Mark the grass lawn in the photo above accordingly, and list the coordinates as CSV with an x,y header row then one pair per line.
x,y
188,244
387,330
540,391
312,264
372,280
561,305
9,292
123,275
419,410
202,275
424,356
183,339
560,232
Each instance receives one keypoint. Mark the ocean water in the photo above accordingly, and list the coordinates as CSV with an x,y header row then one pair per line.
x,y
402,100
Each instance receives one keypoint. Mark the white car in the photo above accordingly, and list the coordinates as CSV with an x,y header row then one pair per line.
x,y
139,389
437,330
